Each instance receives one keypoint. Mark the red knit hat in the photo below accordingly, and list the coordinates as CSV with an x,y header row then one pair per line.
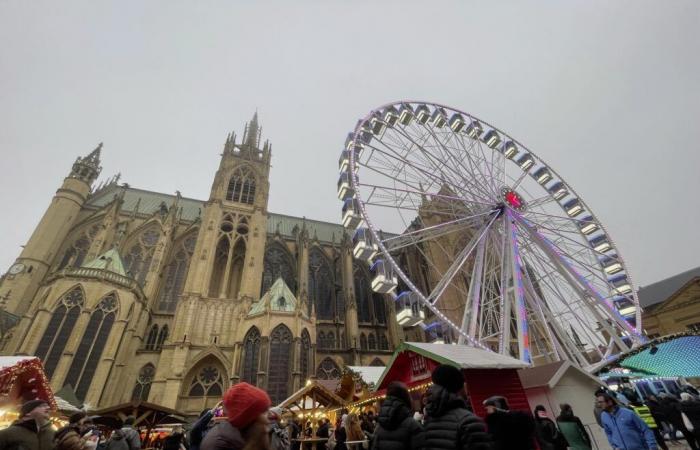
x,y
244,403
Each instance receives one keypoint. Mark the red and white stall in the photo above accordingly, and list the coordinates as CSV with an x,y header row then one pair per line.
x,y
22,378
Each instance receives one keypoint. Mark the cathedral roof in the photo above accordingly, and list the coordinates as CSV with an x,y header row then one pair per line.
x,y
148,202
278,298
109,260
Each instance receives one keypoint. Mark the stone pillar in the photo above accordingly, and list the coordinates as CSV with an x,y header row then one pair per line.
x,y
236,363
264,362
296,381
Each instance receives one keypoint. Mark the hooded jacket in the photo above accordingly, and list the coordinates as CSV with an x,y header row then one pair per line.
x,y
627,431
396,428
511,430
118,441
450,425
223,436
27,435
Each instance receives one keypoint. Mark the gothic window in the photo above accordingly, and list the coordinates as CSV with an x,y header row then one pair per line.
x,y
139,255
305,354
207,383
251,356
339,296
321,339
372,341
175,273
363,294
330,339
89,351
162,336
56,335
383,343
74,255
341,340
363,341
379,308
280,352
320,284
218,272
278,263
328,370
152,338
241,186
143,383
376,362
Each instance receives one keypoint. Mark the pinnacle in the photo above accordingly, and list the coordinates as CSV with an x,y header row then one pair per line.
x,y
94,156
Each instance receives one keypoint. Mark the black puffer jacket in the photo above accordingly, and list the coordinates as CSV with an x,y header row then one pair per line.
x,y
691,408
450,425
396,429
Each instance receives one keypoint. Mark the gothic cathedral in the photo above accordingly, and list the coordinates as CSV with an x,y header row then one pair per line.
x,y
128,294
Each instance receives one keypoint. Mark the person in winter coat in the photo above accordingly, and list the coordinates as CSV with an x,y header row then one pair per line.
x,y
246,425
174,440
117,441
509,430
340,434
449,424
130,434
624,429
572,428
32,431
671,408
279,438
201,427
396,428
74,436
691,408
548,436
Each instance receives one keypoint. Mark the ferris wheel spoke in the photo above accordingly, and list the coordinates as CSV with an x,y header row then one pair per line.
x,y
439,228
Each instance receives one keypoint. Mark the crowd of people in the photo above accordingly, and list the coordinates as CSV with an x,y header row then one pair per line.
x,y
442,420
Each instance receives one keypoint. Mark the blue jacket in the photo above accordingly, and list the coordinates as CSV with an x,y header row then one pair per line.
x,y
627,431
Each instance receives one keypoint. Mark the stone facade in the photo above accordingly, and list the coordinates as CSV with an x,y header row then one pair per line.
x,y
131,294
678,313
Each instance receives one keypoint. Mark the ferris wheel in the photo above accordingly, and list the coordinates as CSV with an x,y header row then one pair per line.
x,y
471,232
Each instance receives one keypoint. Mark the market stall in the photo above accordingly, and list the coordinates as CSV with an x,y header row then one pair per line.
x,y
149,417
485,373
22,378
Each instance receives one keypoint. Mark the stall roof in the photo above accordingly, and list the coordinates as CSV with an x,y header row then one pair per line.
x,y
22,378
550,374
146,414
462,356
324,397
369,374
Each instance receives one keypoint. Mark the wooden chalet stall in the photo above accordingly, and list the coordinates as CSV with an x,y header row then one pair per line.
x,y
22,378
485,373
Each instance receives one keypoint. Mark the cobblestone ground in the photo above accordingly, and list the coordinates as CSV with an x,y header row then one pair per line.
x,y
680,445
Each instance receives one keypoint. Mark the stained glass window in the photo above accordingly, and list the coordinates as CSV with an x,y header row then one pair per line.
x,y
321,339
383,342
305,354
138,258
162,336
363,294
330,337
220,261
90,348
241,186
175,273
328,370
363,341
372,342
75,254
58,331
278,263
251,356
143,383
320,284
280,353
152,338
207,383
379,308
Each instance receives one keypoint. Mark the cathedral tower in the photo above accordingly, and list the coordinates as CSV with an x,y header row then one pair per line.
x,y
30,268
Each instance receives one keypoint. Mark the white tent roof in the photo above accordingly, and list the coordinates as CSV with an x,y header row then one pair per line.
x,y
369,374
9,361
467,357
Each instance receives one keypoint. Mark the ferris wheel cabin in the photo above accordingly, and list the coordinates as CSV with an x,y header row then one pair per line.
x,y
409,312
364,247
384,280
351,214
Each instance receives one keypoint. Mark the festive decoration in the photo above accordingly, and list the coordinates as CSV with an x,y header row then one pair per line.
x,y
22,379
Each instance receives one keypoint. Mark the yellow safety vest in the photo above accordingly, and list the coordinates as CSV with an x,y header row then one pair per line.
x,y
645,414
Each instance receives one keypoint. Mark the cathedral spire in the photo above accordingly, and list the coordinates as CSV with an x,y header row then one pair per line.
x,y
87,168
252,132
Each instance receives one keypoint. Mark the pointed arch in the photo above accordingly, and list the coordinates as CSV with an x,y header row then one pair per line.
x,y
383,342
321,339
59,328
321,284
242,185
75,251
278,263
207,378
138,251
328,370
305,356
251,356
376,362
379,308
330,337
162,337
144,380
92,344
218,272
339,295
152,337
280,363
176,271
363,293
237,264
372,341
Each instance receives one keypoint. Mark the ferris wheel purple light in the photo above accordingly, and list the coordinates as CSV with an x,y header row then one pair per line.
x,y
483,235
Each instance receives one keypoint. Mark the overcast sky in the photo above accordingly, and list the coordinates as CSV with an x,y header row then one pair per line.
x,y
605,92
